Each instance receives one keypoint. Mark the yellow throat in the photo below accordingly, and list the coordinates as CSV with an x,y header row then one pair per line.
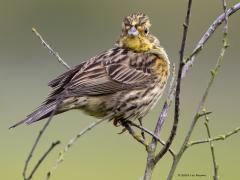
x,y
138,43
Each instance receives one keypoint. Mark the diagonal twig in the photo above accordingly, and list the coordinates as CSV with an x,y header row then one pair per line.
x,y
41,132
60,60
45,126
51,50
43,158
163,115
219,20
132,132
151,134
166,105
70,144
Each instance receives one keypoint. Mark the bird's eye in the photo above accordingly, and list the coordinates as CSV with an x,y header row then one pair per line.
x,y
146,31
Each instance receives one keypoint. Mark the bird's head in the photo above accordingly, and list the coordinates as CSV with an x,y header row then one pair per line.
x,y
135,33
136,25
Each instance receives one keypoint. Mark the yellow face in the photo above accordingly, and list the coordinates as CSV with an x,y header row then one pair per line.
x,y
135,33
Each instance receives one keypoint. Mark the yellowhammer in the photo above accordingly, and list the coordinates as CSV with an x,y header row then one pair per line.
x,y
122,83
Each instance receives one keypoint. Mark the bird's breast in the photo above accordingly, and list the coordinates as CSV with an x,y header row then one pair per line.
x,y
160,70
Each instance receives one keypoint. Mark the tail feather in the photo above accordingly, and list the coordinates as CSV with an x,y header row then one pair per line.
x,y
41,113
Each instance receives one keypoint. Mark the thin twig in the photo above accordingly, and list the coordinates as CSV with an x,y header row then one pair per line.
x,y
178,87
201,104
43,157
51,50
151,134
220,19
167,104
131,131
72,141
41,132
230,11
163,115
70,144
215,166
152,159
217,138
206,123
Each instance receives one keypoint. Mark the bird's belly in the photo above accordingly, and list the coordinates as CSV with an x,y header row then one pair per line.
x,y
124,105
95,106
137,104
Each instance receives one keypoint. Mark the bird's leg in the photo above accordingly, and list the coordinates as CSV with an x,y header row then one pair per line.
x,y
141,124
132,132
116,122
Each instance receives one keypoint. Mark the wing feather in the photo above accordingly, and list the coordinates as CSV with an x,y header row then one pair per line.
x,y
113,78
100,76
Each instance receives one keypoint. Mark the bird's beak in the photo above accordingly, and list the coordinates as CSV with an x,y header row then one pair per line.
x,y
133,31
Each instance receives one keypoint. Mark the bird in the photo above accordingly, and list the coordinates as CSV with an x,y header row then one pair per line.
x,y
120,84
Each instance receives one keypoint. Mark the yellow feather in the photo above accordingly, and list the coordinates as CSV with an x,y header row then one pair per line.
x,y
138,44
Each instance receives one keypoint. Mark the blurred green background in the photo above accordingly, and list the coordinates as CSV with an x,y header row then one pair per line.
x,y
79,30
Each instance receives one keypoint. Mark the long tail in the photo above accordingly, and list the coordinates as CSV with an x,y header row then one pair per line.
x,y
42,112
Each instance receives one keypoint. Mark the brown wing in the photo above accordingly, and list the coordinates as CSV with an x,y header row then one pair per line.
x,y
108,79
65,77
105,74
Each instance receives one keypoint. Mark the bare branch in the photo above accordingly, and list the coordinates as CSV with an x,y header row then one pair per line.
x,y
202,102
206,123
43,157
167,104
217,138
41,132
178,87
51,50
215,166
163,115
151,134
152,159
72,141
60,158
131,131
190,60
183,67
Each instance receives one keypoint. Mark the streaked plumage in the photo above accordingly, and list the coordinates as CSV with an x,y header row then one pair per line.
x,y
121,83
